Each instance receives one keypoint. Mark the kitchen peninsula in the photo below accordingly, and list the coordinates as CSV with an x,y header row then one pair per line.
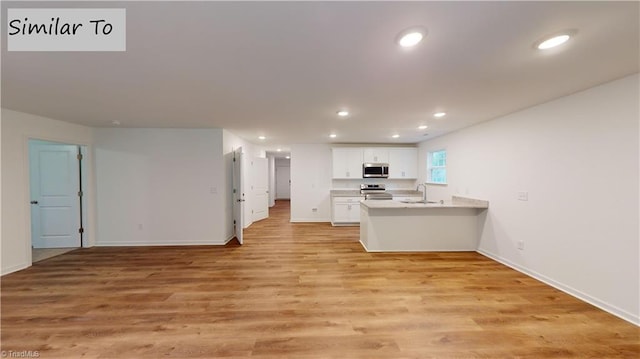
x,y
395,226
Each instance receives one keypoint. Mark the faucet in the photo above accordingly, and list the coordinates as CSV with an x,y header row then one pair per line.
x,y
424,193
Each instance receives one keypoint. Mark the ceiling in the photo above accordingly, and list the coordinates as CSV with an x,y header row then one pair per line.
x,y
283,69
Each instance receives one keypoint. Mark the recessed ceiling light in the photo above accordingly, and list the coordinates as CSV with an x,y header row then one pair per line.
x,y
288,157
279,149
553,42
333,135
439,114
395,136
262,137
343,113
423,127
115,123
411,37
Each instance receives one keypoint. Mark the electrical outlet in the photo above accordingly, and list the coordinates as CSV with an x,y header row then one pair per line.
x,y
523,196
521,245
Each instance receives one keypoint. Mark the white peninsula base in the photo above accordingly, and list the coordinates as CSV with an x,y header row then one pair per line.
x,y
392,226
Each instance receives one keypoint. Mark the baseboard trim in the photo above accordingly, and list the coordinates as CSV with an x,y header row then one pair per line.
x,y
156,244
309,220
363,246
15,268
609,308
345,224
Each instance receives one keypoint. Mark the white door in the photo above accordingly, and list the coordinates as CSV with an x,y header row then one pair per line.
x,y
283,182
238,194
54,176
260,188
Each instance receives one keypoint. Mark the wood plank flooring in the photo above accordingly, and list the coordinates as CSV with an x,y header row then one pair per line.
x,y
296,291
40,254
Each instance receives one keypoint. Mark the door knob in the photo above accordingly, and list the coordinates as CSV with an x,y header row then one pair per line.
x,y
34,202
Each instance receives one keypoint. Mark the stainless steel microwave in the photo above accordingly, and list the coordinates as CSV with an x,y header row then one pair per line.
x,y
375,170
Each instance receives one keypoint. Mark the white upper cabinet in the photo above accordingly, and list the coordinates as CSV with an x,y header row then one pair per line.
x,y
347,162
403,163
376,154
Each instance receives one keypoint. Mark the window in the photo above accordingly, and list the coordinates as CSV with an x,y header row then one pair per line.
x,y
437,167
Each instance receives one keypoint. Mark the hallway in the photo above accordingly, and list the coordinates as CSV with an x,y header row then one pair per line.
x,y
278,228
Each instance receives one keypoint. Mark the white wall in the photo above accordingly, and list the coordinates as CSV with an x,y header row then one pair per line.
x,y
159,186
17,128
577,157
310,183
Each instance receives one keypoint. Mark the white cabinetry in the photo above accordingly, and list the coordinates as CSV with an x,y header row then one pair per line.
x,y
403,163
376,154
347,162
346,210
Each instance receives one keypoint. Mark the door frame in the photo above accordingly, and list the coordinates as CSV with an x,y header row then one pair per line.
x,y
277,182
88,183
238,194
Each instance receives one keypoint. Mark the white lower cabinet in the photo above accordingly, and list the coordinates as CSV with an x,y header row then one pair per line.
x,y
345,211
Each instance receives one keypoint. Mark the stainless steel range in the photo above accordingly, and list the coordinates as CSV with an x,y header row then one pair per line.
x,y
375,192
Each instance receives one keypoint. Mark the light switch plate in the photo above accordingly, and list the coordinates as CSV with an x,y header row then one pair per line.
x,y
523,196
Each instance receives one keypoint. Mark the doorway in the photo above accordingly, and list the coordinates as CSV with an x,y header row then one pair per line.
x,y
56,198
283,179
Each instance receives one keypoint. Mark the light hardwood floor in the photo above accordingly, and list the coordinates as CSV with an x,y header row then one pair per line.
x,y
40,254
296,291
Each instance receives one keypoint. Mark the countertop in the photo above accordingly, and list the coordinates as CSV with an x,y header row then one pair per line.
x,y
356,193
455,202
